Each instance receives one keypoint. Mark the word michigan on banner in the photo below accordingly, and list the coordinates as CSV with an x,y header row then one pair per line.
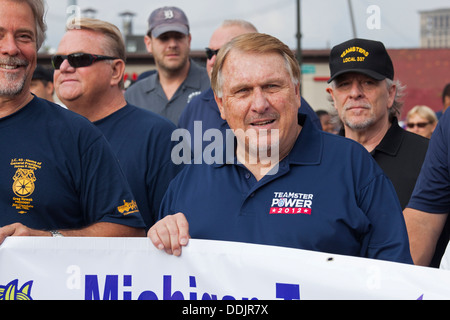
x,y
132,269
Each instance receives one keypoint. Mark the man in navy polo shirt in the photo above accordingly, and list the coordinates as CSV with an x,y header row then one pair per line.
x,y
288,183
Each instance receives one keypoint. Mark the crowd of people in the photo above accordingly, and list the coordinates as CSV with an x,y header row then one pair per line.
x,y
105,167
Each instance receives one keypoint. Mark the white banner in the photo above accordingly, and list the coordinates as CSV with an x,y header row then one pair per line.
x,y
131,269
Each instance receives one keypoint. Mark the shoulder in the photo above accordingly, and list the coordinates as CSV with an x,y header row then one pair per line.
x,y
142,86
148,117
59,116
199,73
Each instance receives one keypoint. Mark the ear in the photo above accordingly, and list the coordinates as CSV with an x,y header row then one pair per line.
x,y
330,92
391,92
50,88
117,71
148,43
219,102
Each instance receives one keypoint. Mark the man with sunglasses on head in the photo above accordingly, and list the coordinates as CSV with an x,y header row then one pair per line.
x,y
178,78
364,93
59,174
90,66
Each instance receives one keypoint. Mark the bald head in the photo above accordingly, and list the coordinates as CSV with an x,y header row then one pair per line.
x,y
222,35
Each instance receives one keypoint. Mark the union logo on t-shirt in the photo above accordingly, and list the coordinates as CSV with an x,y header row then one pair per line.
x,y
291,203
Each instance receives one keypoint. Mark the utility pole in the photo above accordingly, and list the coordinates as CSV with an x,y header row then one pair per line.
x,y
299,38
352,18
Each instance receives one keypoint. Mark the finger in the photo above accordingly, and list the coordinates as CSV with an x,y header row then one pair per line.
x,y
183,228
7,231
174,235
162,232
154,237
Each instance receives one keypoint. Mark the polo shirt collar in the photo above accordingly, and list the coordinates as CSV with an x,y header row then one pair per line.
x,y
308,148
390,144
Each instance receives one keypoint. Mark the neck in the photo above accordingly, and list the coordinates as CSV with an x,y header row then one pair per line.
x,y
171,80
369,138
99,107
10,105
261,161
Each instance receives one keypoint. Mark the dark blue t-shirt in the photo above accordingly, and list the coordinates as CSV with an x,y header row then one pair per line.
x,y
142,142
328,195
58,172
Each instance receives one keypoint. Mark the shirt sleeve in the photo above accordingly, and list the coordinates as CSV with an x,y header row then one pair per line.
x,y
105,193
387,238
432,191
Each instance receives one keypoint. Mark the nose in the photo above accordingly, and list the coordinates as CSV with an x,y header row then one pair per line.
x,y
8,45
356,90
66,67
260,104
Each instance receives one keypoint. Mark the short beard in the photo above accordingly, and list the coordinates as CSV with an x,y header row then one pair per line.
x,y
13,85
361,125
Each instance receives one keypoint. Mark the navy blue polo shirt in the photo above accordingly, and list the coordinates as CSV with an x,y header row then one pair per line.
x,y
327,195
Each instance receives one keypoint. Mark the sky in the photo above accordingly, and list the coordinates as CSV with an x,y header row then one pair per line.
x,y
324,23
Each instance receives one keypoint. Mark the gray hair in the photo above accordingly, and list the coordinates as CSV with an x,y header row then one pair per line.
x,y
396,108
256,43
38,9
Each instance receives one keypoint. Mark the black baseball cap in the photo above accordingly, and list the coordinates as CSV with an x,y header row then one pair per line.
x,y
368,57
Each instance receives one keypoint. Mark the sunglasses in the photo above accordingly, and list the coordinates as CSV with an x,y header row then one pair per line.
x,y
78,60
419,125
211,53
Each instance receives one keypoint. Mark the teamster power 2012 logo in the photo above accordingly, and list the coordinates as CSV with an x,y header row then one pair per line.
x,y
291,203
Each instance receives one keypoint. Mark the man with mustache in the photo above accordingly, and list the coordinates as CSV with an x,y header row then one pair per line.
x,y
59,174
179,79
364,93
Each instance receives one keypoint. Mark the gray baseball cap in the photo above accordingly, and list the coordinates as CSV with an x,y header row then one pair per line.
x,y
167,19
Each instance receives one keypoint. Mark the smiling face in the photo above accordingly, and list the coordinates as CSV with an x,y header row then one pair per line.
x,y
17,48
258,96
84,83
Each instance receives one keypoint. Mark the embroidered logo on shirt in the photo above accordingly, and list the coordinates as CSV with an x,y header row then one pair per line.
x,y
193,95
24,183
128,207
291,203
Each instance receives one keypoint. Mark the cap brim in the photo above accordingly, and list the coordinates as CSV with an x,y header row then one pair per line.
x,y
370,73
159,30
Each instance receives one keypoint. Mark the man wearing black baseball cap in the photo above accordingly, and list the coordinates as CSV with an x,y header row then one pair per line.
x,y
366,97
178,79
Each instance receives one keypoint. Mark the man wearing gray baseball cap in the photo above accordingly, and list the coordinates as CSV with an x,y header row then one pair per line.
x,y
178,78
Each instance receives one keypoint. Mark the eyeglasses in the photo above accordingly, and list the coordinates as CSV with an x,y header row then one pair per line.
x,y
78,60
419,125
211,53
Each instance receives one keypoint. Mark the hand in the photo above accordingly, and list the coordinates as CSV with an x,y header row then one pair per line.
x,y
18,229
170,233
